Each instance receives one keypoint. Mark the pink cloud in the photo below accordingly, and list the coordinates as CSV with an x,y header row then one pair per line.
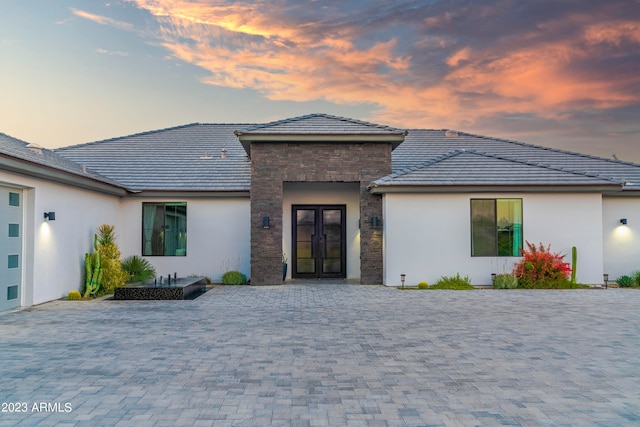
x,y
415,79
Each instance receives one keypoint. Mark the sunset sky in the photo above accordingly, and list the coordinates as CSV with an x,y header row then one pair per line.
x,y
564,74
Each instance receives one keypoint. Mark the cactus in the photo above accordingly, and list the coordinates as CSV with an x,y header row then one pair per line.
x,y
74,296
93,272
574,261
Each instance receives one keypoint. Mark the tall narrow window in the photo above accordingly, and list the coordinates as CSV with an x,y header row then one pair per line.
x,y
496,227
164,229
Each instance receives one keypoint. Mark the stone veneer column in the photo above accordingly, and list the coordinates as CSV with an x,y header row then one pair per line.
x,y
273,163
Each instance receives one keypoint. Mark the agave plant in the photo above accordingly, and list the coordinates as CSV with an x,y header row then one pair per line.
x,y
138,269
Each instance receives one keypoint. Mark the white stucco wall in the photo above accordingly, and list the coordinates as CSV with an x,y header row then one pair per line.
x,y
53,252
218,236
427,236
325,194
621,242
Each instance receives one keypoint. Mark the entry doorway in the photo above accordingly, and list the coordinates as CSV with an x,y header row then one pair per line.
x,y
318,241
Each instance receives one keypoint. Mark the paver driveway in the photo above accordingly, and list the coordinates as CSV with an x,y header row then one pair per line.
x,y
327,355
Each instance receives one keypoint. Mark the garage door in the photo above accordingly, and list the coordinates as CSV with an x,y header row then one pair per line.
x,y
10,247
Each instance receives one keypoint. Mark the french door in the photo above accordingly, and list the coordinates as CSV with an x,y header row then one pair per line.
x,y
319,244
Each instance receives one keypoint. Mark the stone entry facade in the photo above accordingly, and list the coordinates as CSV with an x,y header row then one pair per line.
x,y
328,155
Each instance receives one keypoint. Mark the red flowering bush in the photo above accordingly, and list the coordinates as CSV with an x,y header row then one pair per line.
x,y
541,268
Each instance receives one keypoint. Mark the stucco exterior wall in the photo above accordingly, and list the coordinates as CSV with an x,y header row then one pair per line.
x,y
328,194
621,242
427,236
53,252
218,236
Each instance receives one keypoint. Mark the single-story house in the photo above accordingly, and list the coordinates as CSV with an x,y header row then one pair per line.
x,y
335,197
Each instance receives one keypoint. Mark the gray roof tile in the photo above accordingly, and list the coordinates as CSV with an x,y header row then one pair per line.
x,y
181,158
318,124
422,145
33,154
474,168
171,159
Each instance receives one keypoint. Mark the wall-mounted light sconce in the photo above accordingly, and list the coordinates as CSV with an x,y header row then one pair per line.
x,y
51,216
375,222
265,222
623,221
402,277
605,276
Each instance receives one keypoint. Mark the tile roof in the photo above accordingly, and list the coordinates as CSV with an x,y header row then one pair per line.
x,y
422,145
183,158
318,124
474,168
188,158
16,149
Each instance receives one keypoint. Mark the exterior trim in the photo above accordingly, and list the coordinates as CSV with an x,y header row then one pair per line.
x,y
376,189
36,170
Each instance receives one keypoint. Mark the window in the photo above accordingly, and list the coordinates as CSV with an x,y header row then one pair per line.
x,y
496,227
13,261
164,229
14,199
14,230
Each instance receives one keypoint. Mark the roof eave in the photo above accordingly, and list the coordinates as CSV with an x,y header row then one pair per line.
x,y
192,194
560,188
34,170
246,138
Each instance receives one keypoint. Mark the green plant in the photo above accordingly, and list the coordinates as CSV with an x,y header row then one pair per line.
x,y
234,277
574,260
137,269
636,278
74,296
93,271
626,281
103,268
505,281
454,282
542,269
423,285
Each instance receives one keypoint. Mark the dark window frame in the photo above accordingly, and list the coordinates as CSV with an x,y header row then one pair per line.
x,y
165,217
481,249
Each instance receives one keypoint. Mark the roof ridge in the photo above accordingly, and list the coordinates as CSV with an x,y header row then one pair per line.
x,y
543,165
328,116
429,162
149,132
543,147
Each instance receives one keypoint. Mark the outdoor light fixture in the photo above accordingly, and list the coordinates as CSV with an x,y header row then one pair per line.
x,y
493,277
623,221
605,276
51,216
402,277
375,222
265,222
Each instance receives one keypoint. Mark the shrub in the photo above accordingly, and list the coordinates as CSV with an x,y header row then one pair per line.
x,y
234,277
541,268
137,269
74,296
636,278
423,285
626,281
505,281
454,282
112,274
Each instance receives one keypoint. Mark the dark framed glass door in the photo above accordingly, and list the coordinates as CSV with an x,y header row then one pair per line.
x,y
319,244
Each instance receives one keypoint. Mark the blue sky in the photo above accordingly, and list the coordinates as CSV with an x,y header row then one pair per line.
x,y
564,74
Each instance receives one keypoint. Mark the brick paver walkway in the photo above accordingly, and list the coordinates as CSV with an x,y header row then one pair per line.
x,y
327,355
